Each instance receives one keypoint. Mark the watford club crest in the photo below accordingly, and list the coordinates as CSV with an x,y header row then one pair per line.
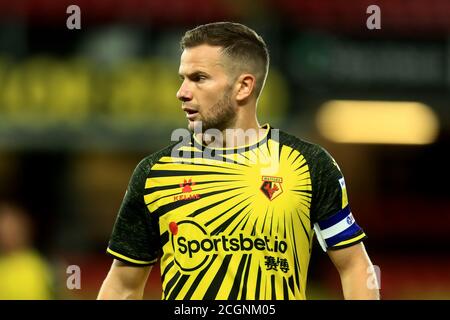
x,y
271,187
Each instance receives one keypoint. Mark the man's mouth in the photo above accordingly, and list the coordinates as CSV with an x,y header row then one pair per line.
x,y
190,113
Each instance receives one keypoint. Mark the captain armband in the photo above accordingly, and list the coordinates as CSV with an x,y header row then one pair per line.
x,y
339,230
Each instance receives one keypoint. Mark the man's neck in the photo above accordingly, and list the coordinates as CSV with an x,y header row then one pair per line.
x,y
234,137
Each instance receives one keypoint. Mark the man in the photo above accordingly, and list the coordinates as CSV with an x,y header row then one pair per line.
x,y
231,212
25,274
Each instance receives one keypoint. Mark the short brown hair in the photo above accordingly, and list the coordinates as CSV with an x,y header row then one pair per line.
x,y
239,42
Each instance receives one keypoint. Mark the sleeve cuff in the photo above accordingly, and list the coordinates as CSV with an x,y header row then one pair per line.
x,y
350,242
129,260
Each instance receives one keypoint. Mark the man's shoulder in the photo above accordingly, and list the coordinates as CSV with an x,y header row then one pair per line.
x,y
314,153
299,144
154,157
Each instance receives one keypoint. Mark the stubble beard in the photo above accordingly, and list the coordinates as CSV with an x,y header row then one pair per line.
x,y
221,116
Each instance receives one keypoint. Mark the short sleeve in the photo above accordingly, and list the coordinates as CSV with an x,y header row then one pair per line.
x,y
332,218
135,237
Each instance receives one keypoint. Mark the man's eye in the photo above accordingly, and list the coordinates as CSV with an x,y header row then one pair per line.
x,y
199,78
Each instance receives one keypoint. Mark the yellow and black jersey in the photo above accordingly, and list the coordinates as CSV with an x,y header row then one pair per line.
x,y
234,223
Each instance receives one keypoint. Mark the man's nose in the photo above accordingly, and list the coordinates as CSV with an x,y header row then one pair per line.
x,y
184,94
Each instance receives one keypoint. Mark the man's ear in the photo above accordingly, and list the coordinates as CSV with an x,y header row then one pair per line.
x,y
245,85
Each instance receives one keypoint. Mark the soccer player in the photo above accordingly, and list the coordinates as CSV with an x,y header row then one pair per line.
x,y
231,210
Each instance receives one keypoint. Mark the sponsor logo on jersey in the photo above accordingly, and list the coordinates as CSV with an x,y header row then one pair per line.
x,y
271,186
193,246
350,220
186,191
344,192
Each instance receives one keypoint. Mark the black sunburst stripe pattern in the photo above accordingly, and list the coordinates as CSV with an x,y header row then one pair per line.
x,y
246,274
178,192
243,221
176,186
258,284
303,225
285,290
178,204
268,220
223,226
171,282
254,227
273,291
195,162
176,282
193,154
167,269
264,220
297,269
199,278
271,222
217,217
216,283
303,189
234,292
161,171
213,289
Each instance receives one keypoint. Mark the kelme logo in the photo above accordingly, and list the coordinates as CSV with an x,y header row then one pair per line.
x,y
193,246
186,191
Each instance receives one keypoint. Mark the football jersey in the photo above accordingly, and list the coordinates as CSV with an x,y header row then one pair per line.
x,y
234,223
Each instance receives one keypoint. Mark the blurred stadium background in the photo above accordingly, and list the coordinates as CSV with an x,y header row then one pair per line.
x,y
80,108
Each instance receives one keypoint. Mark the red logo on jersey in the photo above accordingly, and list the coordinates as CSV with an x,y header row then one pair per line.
x,y
173,226
186,189
187,186
271,187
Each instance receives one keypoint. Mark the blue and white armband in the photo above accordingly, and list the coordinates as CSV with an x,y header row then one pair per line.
x,y
339,230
